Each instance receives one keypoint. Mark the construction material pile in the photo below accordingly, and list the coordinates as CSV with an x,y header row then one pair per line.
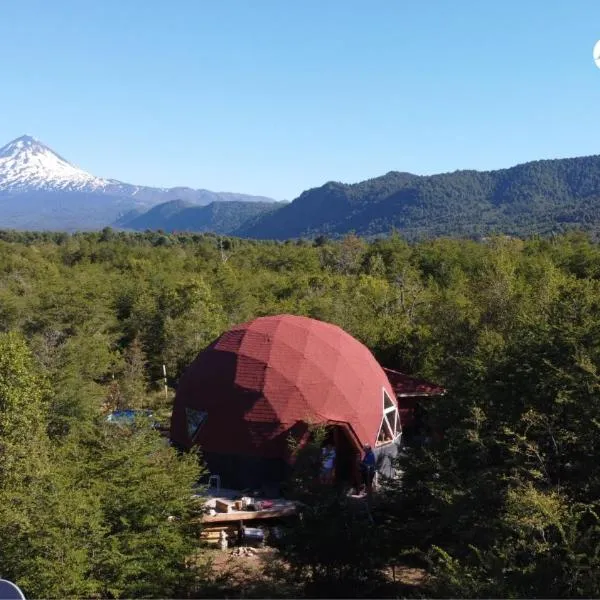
x,y
244,551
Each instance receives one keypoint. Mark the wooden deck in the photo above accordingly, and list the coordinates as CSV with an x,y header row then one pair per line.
x,y
225,497
249,515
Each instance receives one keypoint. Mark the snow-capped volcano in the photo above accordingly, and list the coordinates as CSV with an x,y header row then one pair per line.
x,y
26,163
39,189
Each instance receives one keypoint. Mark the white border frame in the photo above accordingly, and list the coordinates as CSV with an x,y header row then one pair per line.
x,y
390,419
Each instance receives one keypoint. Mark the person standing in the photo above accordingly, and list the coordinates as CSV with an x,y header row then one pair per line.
x,y
327,463
368,468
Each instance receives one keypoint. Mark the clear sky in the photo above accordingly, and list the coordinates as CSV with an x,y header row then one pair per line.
x,y
272,97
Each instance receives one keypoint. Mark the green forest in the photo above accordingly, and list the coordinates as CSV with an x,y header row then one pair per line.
x,y
223,217
544,197
505,503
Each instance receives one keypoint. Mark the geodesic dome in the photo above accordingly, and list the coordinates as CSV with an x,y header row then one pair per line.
x,y
263,380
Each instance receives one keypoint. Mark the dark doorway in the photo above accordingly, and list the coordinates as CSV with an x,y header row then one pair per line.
x,y
347,457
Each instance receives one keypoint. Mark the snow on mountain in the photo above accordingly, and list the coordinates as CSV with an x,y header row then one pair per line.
x,y
26,163
39,189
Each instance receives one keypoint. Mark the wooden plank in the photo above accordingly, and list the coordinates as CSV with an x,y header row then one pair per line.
x,y
250,515
216,528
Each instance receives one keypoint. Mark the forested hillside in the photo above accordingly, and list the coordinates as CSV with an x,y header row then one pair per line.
x,y
216,217
503,504
541,197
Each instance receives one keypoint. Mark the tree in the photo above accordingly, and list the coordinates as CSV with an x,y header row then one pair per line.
x,y
25,460
145,492
191,328
332,549
508,496
133,380
23,415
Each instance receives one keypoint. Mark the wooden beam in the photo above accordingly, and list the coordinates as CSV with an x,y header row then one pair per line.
x,y
250,515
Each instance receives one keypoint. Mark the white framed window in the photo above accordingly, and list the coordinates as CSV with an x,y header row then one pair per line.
x,y
390,429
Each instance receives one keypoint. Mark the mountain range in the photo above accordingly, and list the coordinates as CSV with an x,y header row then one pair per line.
x,y
179,215
541,197
41,190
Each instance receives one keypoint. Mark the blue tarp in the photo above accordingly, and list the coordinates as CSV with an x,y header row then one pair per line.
x,y
128,416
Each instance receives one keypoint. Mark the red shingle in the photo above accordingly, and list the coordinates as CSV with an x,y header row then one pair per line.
x,y
261,378
405,385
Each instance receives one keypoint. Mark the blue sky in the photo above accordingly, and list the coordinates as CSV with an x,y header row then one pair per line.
x,y
272,97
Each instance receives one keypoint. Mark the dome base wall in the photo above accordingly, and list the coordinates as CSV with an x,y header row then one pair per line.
x,y
240,472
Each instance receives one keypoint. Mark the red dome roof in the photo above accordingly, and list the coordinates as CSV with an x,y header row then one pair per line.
x,y
257,381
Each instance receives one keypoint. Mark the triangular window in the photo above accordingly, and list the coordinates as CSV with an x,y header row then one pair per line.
x,y
387,401
389,430
194,419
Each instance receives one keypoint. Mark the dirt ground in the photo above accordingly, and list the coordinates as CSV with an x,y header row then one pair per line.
x,y
407,575
261,574
242,566
253,576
